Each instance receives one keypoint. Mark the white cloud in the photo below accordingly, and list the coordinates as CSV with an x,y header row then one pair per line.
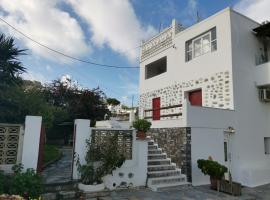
x,y
46,23
255,9
113,23
34,76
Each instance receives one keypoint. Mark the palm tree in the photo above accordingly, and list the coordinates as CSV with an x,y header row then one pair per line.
x,y
10,66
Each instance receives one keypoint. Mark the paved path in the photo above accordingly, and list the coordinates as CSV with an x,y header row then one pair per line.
x,y
190,193
60,171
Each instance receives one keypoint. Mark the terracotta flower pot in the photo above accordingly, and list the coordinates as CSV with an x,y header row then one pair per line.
x,y
141,135
213,183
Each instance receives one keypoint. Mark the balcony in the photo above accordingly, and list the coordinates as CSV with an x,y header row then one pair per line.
x,y
262,74
186,115
168,116
160,42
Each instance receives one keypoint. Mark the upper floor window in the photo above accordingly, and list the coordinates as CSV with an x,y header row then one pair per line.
x,y
201,44
155,68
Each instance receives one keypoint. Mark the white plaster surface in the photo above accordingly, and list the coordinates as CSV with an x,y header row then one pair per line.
x,y
82,131
137,167
31,142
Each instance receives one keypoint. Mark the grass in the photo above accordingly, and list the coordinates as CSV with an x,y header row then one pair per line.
x,y
51,153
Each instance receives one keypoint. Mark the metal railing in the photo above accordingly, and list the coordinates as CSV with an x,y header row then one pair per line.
x,y
163,115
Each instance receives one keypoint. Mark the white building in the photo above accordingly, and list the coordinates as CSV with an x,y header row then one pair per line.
x,y
206,78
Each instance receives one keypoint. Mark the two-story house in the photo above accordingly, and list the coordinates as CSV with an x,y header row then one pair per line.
x,y
206,90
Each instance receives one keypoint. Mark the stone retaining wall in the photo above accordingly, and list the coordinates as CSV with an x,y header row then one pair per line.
x,y
176,142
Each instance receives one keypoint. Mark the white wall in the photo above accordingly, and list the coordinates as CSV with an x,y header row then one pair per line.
x,y
207,137
82,133
213,69
205,142
251,165
30,151
202,66
137,166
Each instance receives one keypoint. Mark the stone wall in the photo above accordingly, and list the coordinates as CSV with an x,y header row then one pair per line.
x,y
176,142
216,93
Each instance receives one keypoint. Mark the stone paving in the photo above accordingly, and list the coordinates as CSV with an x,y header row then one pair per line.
x,y
60,171
189,193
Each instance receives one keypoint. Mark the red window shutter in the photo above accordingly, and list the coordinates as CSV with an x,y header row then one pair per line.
x,y
195,97
156,108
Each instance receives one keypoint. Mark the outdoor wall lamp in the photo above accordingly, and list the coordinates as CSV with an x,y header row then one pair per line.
x,y
230,130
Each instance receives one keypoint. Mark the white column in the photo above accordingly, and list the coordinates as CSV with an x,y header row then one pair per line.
x,y
82,133
31,140
131,116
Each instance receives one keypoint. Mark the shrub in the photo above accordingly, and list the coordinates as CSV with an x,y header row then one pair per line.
x,y
100,160
27,184
142,125
212,168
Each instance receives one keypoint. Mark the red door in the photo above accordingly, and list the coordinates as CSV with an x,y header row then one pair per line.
x,y
195,97
156,108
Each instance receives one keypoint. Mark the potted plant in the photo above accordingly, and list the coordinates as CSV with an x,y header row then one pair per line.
x,y
142,126
212,168
101,160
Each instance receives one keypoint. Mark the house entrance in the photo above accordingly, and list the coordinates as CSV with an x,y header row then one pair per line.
x,y
195,97
156,108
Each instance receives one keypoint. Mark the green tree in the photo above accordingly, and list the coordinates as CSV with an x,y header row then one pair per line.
x,y
113,101
10,66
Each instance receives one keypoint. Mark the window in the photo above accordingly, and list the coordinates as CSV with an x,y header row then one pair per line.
x,y
155,68
267,145
225,151
201,44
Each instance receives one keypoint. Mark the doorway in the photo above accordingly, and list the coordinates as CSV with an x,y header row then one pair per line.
x,y
195,97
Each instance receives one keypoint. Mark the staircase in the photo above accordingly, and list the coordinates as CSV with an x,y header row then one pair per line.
x,y
162,173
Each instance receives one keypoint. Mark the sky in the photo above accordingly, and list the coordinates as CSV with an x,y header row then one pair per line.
x,y
102,31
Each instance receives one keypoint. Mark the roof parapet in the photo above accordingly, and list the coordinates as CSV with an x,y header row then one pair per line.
x,y
161,41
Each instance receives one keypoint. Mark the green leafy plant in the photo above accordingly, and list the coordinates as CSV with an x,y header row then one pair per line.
x,y
212,168
101,160
142,125
27,184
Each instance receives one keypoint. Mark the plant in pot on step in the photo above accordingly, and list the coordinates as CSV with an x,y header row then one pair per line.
x,y
212,168
101,159
142,126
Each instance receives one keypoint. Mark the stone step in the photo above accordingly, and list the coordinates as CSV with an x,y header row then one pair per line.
x,y
166,161
154,151
157,156
68,195
97,195
164,173
161,187
65,195
151,142
152,168
57,187
167,180
152,147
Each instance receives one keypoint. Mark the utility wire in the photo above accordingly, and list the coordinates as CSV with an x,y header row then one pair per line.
x,y
66,55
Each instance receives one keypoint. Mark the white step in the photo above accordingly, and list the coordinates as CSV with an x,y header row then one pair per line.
x,y
164,173
166,161
152,168
161,186
162,182
157,156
